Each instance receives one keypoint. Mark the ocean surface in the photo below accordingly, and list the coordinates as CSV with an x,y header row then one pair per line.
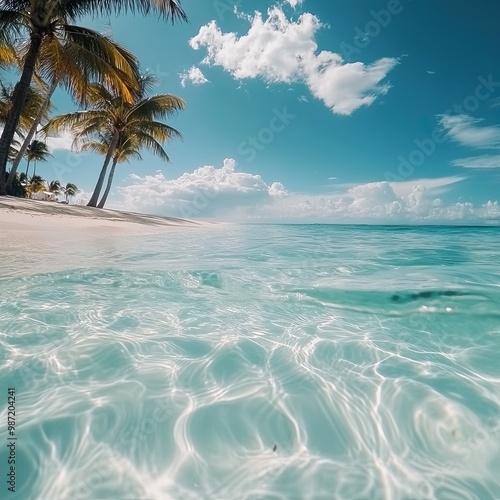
x,y
254,362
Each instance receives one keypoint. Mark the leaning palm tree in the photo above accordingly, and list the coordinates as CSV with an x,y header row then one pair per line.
x,y
69,190
37,151
64,62
125,151
110,116
128,148
37,20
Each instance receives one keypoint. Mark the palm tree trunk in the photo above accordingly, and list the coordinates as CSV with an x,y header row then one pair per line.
x,y
30,135
97,191
20,94
108,186
27,168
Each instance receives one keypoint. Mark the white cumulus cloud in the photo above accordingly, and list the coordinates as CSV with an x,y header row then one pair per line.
x,y
226,194
277,49
62,142
346,87
294,3
193,75
206,192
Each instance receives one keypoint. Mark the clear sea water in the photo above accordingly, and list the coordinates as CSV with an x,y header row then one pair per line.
x,y
254,362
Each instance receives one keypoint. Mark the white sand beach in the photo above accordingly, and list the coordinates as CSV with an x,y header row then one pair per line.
x,y
48,235
21,216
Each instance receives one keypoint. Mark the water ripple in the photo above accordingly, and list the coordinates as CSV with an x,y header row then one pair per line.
x,y
280,362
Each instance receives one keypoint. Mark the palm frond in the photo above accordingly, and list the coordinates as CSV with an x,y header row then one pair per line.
x,y
100,148
98,58
152,145
147,82
127,149
12,23
93,130
77,121
157,107
7,54
125,155
16,5
99,97
160,131
168,9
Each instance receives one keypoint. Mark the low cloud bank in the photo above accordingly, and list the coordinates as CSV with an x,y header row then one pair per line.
x,y
224,193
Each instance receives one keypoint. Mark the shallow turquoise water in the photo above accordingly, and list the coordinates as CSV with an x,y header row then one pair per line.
x,y
279,362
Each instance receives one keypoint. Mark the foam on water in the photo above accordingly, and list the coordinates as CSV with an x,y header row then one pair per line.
x,y
255,362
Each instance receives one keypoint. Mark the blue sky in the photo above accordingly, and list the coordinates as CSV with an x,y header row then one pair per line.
x,y
317,111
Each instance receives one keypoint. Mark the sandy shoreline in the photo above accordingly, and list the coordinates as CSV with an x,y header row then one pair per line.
x,y
21,215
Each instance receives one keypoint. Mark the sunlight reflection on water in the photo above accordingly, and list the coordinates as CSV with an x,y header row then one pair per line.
x,y
256,362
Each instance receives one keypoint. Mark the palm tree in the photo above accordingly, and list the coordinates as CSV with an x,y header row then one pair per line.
x,y
37,151
69,190
35,184
124,153
65,62
38,20
128,147
111,117
125,150
33,106
55,187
